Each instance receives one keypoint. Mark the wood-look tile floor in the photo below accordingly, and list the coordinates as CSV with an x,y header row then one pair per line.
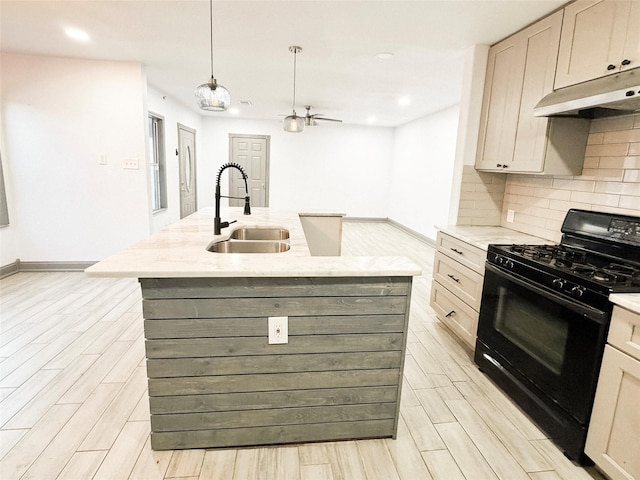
x,y
73,401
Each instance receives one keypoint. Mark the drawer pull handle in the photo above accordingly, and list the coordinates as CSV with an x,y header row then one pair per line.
x,y
453,278
457,251
452,312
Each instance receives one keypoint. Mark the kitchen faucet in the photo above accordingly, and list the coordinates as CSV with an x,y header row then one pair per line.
x,y
218,225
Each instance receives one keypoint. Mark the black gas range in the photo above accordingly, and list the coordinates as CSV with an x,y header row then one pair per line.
x,y
545,315
584,275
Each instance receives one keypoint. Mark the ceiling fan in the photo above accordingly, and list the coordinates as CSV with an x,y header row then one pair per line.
x,y
310,120
295,123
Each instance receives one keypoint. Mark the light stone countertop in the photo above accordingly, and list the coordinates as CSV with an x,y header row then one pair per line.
x,y
482,236
630,301
179,250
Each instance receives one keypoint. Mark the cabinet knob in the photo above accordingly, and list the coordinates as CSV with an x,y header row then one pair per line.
x,y
626,62
611,67
505,166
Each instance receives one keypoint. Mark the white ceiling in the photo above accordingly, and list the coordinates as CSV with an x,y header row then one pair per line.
x,y
337,72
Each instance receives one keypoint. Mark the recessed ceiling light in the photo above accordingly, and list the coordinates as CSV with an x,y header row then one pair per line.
x,y
404,101
371,120
77,34
384,55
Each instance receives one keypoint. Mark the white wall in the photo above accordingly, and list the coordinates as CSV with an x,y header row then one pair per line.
x,y
173,113
59,115
475,67
330,167
422,171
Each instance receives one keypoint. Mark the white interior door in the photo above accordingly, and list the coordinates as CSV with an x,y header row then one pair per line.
x,y
252,154
187,166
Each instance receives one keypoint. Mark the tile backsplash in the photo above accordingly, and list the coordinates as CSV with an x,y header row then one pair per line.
x,y
610,182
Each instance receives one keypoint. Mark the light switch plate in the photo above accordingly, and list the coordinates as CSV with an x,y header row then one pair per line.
x,y
131,164
278,330
510,215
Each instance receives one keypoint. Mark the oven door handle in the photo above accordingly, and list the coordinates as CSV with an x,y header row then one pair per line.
x,y
592,313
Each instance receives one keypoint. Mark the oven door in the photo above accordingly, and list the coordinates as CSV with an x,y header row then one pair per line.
x,y
549,342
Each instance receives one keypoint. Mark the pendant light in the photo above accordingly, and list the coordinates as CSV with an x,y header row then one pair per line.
x,y
211,96
293,123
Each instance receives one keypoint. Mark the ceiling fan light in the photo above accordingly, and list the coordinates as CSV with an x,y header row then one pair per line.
x,y
213,97
293,124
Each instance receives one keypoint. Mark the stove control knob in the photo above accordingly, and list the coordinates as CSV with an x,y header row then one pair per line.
x,y
558,283
504,261
577,291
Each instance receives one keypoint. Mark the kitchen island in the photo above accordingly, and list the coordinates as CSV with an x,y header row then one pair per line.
x,y
215,380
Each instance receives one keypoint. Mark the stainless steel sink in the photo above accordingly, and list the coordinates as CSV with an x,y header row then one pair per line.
x,y
248,246
260,233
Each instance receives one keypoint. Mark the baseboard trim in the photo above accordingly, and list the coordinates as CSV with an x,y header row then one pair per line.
x,y
19,266
365,219
11,269
400,226
413,233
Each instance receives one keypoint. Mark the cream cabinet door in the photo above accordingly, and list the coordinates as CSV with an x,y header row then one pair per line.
x,y
520,71
631,52
594,40
541,50
500,104
614,433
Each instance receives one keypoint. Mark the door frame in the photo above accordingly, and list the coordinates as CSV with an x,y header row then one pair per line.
x,y
180,126
267,176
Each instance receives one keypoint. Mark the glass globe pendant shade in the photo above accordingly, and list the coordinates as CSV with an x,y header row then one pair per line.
x,y
213,97
293,123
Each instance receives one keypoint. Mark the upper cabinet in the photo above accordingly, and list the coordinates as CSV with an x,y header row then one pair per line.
x,y
599,38
520,71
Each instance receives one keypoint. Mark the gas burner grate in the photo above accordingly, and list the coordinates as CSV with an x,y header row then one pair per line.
x,y
613,274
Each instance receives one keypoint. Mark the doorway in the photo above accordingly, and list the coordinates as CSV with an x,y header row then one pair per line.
x,y
187,167
251,152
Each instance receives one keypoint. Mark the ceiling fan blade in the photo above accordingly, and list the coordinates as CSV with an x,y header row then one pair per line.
x,y
324,119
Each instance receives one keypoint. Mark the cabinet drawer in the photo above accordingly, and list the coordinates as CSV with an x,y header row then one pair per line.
x,y
454,313
466,254
462,281
624,332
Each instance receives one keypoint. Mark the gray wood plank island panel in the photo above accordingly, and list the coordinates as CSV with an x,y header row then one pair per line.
x,y
216,381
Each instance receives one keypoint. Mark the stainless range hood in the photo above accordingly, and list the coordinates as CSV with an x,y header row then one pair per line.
x,y
612,95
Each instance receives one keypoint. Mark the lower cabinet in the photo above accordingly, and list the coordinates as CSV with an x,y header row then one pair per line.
x,y
458,275
614,433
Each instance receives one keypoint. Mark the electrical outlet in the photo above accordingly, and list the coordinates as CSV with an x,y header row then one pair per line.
x,y
131,164
510,215
278,329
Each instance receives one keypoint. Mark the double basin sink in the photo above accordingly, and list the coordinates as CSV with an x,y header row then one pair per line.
x,y
253,240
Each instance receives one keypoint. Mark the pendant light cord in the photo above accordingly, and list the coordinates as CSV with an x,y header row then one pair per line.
x,y
295,56
211,33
